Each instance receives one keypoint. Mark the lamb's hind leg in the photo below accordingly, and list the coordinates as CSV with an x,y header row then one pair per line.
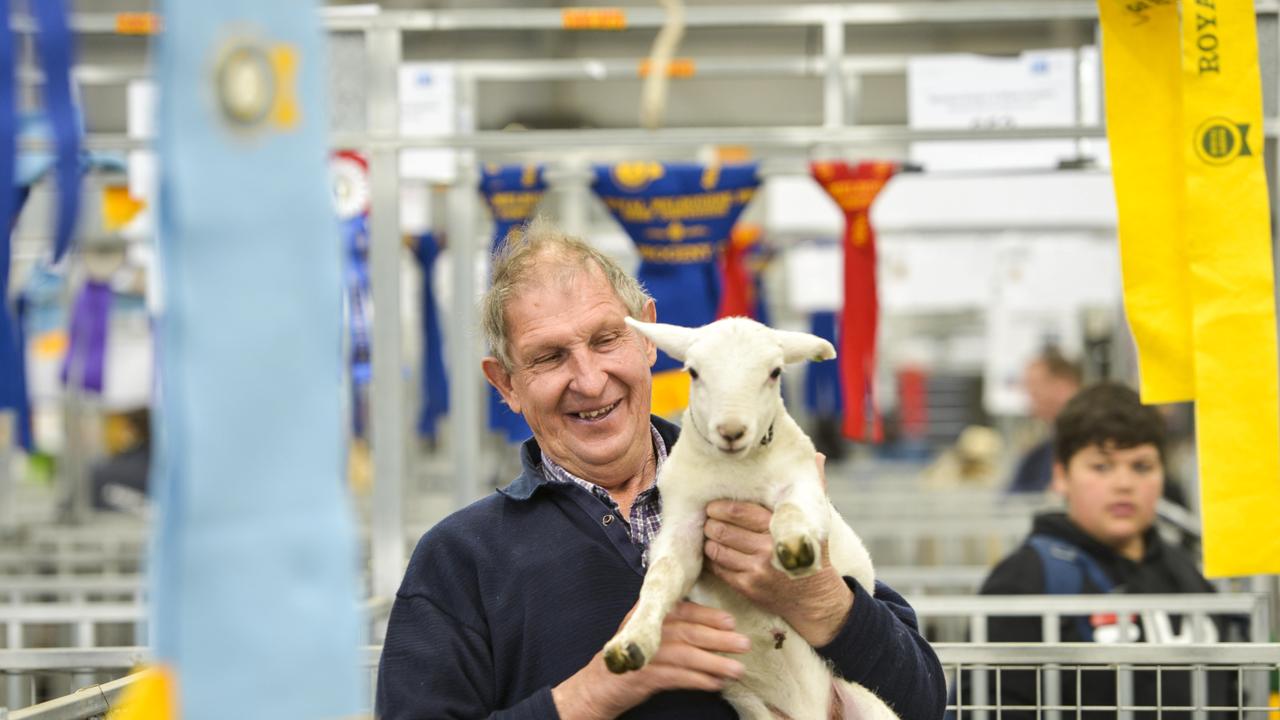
x,y
860,703
675,561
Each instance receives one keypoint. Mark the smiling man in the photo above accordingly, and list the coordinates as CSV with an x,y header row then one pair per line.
x,y
506,604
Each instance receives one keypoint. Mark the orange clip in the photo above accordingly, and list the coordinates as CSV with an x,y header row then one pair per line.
x,y
593,19
137,23
677,68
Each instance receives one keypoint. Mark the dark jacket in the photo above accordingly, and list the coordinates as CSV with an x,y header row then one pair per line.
x,y
1163,569
510,596
1035,470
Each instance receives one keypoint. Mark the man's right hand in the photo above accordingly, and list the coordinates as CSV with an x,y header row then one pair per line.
x,y
692,634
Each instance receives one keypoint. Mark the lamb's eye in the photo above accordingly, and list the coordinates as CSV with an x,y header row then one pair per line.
x,y
693,373
777,373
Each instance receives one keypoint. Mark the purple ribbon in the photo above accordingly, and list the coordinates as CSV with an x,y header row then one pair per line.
x,y
88,347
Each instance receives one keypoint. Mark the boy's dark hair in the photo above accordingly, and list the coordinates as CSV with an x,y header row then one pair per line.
x,y
1106,414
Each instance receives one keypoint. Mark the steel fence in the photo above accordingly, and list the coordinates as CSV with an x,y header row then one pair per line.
x,y
1252,668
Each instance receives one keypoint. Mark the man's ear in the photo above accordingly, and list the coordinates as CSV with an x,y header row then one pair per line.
x,y
1059,484
500,379
650,315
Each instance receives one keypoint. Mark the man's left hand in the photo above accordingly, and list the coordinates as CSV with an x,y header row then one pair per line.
x,y
739,551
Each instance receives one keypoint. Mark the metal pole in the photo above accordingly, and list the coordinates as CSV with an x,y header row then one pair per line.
x,y
572,184
386,407
978,633
833,81
16,696
466,397
1052,676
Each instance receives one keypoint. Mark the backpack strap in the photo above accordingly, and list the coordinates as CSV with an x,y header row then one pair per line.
x,y
1065,569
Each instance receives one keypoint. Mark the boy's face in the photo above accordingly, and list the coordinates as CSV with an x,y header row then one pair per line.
x,y
1112,493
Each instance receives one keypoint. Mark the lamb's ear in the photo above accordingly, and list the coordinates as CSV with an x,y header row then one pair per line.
x,y
671,339
797,346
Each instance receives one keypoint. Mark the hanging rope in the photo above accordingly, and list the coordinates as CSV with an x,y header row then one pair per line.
x,y
653,96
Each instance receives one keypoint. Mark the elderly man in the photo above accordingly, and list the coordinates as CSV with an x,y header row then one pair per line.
x,y
507,603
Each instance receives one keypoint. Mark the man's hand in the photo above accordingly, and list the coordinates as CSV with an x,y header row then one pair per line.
x,y
739,550
692,634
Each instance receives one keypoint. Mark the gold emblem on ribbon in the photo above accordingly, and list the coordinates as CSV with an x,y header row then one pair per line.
x,y
256,83
636,175
1218,140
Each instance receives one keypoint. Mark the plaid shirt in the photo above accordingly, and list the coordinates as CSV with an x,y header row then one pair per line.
x,y
646,510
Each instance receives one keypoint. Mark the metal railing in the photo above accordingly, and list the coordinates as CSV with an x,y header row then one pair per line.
x,y
1252,667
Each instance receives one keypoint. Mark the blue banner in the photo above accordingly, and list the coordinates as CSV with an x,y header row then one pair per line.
x,y
56,48
679,215
55,52
822,389
512,193
254,560
355,245
435,385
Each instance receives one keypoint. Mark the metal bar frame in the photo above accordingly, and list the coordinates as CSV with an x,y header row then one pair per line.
x,y
882,13
387,403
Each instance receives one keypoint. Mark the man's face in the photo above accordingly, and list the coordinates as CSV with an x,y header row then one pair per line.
x,y
1112,493
579,375
1048,394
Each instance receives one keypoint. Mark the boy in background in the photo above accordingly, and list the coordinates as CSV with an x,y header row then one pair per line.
x,y
1109,468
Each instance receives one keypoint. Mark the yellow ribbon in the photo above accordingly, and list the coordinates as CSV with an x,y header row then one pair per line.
x,y
153,696
670,393
1184,116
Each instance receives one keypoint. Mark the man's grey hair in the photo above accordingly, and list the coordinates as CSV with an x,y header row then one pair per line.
x,y
527,254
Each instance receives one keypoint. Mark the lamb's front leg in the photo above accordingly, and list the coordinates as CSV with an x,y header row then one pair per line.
x,y
800,524
675,561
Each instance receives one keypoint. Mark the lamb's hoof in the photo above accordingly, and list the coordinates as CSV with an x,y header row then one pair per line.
x,y
620,660
795,555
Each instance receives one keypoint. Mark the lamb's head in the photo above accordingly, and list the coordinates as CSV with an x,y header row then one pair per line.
x,y
735,365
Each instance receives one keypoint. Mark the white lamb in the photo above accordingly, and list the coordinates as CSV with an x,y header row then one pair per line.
x,y
739,443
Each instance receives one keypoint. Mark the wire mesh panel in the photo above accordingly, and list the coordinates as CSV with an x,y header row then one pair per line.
x,y
1090,681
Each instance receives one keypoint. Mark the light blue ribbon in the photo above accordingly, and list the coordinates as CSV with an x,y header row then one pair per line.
x,y
254,561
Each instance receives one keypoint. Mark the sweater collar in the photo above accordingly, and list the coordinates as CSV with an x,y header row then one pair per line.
x,y
531,476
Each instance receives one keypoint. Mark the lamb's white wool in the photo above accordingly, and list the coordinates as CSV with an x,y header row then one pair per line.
x,y
739,443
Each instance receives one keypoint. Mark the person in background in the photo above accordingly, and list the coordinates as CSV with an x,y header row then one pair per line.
x,y
1050,381
1108,464
120,481
507,604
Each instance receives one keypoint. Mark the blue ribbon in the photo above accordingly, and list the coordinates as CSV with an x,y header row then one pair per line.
x,y
254,561
355,237
25,434
678,247
512,192
435,384
11,360
8,133
55,46
822,395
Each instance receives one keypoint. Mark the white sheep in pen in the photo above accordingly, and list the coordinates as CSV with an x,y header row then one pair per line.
x,y
739,443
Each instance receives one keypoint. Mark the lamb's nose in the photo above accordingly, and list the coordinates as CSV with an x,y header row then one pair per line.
x,y
731,431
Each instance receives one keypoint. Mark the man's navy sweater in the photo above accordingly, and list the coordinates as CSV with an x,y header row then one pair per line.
x,y
505,599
